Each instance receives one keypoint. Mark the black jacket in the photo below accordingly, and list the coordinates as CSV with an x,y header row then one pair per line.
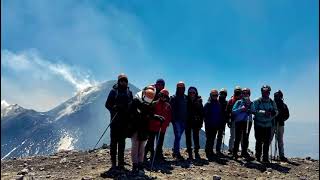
x,y
119,101
224,110
195,112
283,113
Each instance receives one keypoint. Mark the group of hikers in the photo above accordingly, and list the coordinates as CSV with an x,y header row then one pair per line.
x,y
145,117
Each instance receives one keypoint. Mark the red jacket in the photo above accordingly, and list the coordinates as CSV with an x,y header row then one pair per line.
x,y
163,109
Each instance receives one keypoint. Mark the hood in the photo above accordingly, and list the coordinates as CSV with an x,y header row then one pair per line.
x,y
139,96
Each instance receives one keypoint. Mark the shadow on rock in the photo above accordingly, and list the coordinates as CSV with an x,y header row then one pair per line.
x,y
162,166
125,174
200,162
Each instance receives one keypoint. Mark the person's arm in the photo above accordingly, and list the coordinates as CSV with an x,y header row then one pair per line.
x,y
237,107
110,101
257,112
167,116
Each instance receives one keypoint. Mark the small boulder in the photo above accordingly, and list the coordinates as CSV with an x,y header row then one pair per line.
x,y
23,171
216,177
87,178
63,160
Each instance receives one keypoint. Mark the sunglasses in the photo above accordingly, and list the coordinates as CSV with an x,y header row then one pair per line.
x,y
214,95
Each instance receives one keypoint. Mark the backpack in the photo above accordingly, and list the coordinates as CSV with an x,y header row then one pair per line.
x,y
285,112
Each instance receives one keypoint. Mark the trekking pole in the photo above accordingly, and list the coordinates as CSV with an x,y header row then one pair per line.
x,y
276,142
155,151
106,129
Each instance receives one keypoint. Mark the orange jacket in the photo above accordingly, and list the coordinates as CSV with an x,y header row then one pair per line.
x,y
163,109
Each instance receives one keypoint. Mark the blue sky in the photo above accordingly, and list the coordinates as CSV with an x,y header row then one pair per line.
x,y
51,49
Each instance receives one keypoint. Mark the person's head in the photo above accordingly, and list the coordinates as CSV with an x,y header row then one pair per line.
x,y
237,92
180,88
265,91
160,84
148,94
192,92
164,95
246,93
278,95
122,81
214,95
223,94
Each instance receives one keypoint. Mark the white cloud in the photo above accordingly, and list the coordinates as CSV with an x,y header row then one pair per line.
x,y
30,61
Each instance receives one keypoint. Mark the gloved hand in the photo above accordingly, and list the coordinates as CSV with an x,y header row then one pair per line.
x,y
273,113
243,108
160,118
268,113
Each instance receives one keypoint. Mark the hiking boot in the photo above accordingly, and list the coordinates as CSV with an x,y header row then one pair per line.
x,y
135,168
197,155
284,159
235,156
247,156
177,156
219,154
265,161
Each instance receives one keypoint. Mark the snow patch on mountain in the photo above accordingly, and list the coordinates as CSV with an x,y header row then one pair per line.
x,y
10,110
13,150
66,142
81,98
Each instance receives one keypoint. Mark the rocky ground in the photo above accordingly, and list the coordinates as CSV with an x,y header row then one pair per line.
x,y
90,165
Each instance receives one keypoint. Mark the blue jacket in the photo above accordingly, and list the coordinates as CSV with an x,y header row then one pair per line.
x,y
240,115
213,115
262,106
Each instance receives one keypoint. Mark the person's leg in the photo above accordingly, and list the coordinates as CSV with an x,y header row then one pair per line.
x,y
188,140
238,134
195,133
134,151
245,138
232,136
150,145
258,134
214,134
219,140
141,147
181,131
280,142
113,147
121,148
209,142
176,130
159,152
266,143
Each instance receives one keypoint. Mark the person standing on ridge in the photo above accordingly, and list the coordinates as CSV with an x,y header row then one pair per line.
x,y
278,129
119,102
162,108
178,104
194,121
223,103
142,109
213,121
231,124
242,111
265,109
